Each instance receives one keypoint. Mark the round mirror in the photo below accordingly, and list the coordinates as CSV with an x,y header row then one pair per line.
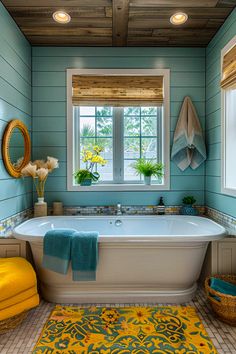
x,y
16,147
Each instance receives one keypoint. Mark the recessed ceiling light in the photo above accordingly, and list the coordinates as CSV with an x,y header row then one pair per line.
x,y
61,17
178,18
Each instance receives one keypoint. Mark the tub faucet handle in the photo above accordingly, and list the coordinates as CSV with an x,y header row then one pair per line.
x,y
119,209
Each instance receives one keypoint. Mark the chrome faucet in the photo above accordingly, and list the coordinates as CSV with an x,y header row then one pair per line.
x,y
118,209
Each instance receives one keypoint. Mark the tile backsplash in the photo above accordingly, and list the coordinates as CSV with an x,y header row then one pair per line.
x,y
229,222
8,224
126,209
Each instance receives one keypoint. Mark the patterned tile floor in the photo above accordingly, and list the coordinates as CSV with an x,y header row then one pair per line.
x,y
23,339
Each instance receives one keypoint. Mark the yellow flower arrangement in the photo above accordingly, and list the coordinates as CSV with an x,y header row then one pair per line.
x,y
91,159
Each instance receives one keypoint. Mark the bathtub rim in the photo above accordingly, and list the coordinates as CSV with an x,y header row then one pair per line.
x,y
130,238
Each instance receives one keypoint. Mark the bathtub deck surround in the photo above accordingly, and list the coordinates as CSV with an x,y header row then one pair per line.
x,y
130,249
229,222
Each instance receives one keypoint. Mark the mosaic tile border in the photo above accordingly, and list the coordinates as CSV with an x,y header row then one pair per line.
x,y
126,210
229,222
8,224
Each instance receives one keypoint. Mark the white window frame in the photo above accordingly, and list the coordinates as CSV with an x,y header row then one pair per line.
x,y
166,127
224,189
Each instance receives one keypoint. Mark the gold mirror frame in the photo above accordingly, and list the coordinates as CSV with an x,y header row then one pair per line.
x,y
15,171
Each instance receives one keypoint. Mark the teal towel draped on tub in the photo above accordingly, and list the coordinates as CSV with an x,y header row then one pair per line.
x,y
84,255
57,250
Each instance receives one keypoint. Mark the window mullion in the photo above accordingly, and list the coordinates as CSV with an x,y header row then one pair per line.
x,y
76,143
118,146
140,138
159,134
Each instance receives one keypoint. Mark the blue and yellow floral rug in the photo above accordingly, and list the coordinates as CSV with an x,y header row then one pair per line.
x,y
124,330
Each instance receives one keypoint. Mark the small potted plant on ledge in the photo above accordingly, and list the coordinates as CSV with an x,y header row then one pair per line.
x,y
86,176
188,208
148,168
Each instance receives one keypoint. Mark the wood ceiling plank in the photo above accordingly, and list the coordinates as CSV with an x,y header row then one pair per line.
x,y
66,31
69,41
57,3
120,12
174,3
148,41
27,12
183,32
166,41
226,3
78,22
108,11
147,13
158,23
137,32
214,23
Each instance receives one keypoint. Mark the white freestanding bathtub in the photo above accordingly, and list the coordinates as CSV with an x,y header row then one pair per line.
x,y
141,258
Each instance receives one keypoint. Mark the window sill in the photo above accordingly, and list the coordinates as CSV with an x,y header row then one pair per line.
x,y
228,191
117,187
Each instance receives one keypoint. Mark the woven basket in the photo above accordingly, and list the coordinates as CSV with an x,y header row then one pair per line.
x,y
225,309
12,322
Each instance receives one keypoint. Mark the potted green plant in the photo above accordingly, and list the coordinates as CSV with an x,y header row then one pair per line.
x,y
187,208
148,168
87,175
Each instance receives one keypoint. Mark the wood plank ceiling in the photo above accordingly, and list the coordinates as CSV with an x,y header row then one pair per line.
x,y
120,22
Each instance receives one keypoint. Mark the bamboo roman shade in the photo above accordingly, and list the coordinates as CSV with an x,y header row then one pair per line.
x,y
117,90
229,69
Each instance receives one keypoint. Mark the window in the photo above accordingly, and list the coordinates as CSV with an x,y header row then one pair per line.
x,y
125,133
228,85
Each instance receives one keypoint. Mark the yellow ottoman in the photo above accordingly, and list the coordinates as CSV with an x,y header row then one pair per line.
x,y
18,291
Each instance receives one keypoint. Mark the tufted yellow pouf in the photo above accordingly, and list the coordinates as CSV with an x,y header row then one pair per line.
x,y
18,291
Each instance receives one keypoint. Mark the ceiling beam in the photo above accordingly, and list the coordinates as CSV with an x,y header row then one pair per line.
x,y
120,19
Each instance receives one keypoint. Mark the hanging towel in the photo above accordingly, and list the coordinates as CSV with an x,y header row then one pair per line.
x,y
84,255
189,147
57,249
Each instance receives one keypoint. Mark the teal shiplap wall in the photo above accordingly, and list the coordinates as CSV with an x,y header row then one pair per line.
x,y
15,102
49,112
214,197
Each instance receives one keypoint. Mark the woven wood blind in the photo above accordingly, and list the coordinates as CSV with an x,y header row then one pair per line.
x,y
229,69
117,90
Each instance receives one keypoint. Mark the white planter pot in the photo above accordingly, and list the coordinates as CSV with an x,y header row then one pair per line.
x,y
41,200
147,180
